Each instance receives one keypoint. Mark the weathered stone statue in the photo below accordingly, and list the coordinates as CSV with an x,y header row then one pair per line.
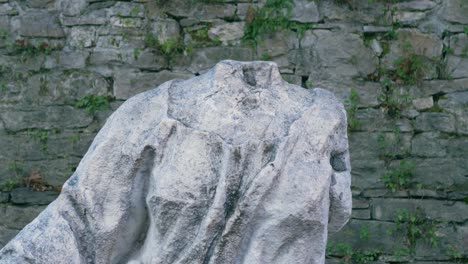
x,y
233,166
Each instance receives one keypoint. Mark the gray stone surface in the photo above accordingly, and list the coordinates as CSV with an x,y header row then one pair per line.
x,y
6,234
48,118
228,33
455,11
129,83
4,197
428,145
386,209
331,55
441,173
457,67
430,121
40,24
208,170
93,44
28,196
351,235
16,217
305,11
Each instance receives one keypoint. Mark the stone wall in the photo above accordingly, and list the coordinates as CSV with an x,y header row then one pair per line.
x,y
401,67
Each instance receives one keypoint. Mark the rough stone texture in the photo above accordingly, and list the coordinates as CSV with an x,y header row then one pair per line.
x,y
27,196
351,46
208,170
455,11
305,12
384,209
48,118
423,103
229,33
40,24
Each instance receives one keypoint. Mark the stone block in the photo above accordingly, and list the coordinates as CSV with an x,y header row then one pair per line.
x,y
367,174
386,209
26,196
408,18
278,43
329,55
451,239
441,173
7,10
368,92
227,33
94,17
375,29
429,121
457,67
412,42
421,104
165,29
21,147
457,105
129,83
201,11
366,235
67,60
416,5
6,234
305,12
62,87
360,203
428,144
82,37
454,11
429,88
49,117
127,9
16,217
205,58
456,147
374,120
4,197
361,214
71,8
40,24
126,22
54,172
459,45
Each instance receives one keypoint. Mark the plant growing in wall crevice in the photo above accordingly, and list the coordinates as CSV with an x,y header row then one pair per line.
x,y
393,98
347,254
169,48
416,226
269,18
399,178
352,103
93,103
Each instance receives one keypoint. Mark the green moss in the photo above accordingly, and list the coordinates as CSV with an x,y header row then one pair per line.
x,y
352,103
41,136
393,98
93,103
416,226
169,48
348,254
265,56
201,37
409,69
273,16
399,178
